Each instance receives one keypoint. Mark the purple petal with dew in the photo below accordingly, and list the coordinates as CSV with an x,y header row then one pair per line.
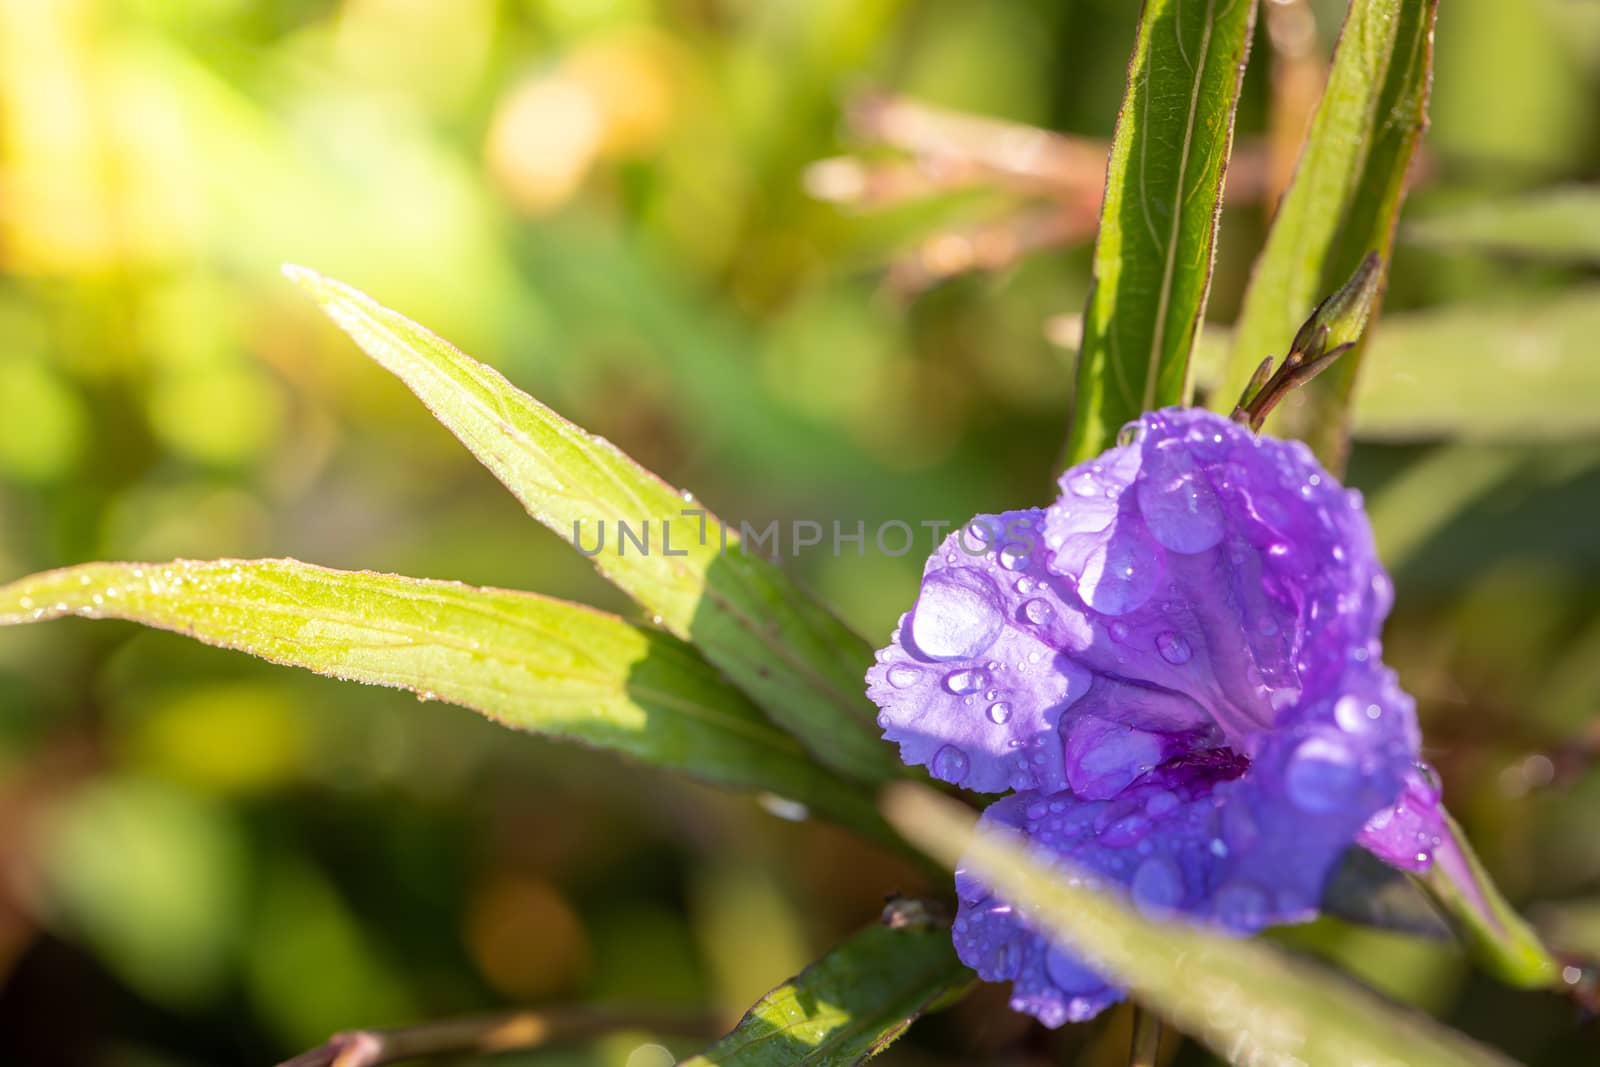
x,y
1406,833
1197,598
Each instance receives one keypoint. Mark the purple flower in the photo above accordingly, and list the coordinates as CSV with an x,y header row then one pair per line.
x,y
1176,667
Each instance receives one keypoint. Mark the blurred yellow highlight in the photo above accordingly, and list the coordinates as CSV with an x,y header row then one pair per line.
x,y
232,738
611,99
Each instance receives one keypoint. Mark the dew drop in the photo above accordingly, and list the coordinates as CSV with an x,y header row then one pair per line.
x,y
902,675
1014,557
1084,485
1119,631
1239,829
1126,831
1161,803
1353,714
957,616
1174,648
966,681
1322,775
1037,611
1240,905
1000,713
950,765
1121,574
1178,503
1157,885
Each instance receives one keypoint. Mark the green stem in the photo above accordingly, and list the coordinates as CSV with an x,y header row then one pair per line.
x,y
1500,938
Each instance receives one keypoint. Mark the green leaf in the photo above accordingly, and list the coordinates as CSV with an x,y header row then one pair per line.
x,y
1513,373
849,1005
1250,1002
1560,224
801,664
1341,205
526,661
1158,226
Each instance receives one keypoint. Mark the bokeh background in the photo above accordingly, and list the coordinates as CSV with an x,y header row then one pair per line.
x,y
205,860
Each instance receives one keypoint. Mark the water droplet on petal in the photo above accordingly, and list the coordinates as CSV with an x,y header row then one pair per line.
x,y
1174,648
957,616
1355,714
1157,884
1177,501
1122,573
1119,631
1239,829
1322,775
1083,484
1125,831
902,675
1160,803
950,765
1000,713
966,681
1037,611
1240,906
1014,557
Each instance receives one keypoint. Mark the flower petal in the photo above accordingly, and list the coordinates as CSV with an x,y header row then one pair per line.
x,y
974,683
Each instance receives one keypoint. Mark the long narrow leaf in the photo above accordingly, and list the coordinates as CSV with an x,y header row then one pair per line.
x,y
849,1005
1561,224
1158,226
1342,204
527,661
684,567
1492,371
1250,1002
1523,372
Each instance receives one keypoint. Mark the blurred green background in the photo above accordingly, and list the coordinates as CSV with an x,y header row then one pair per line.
x,y
205,860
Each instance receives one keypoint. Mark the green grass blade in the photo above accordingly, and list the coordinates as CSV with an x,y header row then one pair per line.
x,y
1523,372
1560,225
1158,227
798,662
1250,1002
849,1005
1342,204
526,661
